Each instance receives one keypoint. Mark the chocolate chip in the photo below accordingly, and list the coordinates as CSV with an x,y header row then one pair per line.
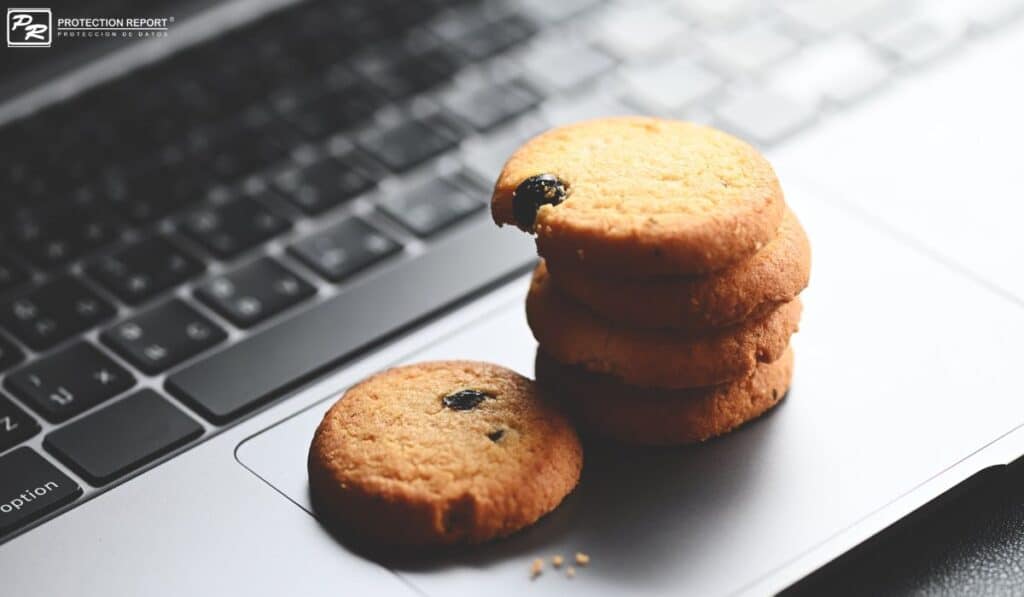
x,y
464,399
494,436
542,189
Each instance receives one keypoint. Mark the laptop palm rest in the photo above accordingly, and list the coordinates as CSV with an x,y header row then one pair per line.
x,y
883,400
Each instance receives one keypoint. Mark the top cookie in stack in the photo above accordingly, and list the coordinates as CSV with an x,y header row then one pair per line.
x,y
648,197
670,276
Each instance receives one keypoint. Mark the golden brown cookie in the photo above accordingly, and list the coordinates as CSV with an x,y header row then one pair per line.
x,y
649,416
641,196
441,453
572,334
746,290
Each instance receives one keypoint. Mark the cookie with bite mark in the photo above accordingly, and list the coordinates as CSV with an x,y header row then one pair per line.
x,y
638,196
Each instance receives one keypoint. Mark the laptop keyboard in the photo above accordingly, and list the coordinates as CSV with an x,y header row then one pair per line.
x,y
256,193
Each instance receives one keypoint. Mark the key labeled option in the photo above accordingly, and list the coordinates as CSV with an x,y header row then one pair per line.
x,y
163,336
32,487
254,292
71,381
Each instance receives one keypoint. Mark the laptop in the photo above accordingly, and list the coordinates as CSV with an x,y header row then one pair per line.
x,y
219,216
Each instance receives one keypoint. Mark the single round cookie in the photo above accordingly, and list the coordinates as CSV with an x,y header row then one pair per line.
x,y
441,453
641,196
747,290
648,416
572,334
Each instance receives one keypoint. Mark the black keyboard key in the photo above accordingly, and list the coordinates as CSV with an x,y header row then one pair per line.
x,y
326,184
162,189
225,385
254,292
319,109
344,249
402,146
163,336
495,37
228,229
249,142
11,274
430,206
71,381
402,71
54,312
32,488
144,269
226,66
333,113
10,355
122,437
15,425
488,106
50,238
399,15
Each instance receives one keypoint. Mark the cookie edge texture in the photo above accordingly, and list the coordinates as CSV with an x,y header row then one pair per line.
x,y
605,407
572,334
750,289
390,515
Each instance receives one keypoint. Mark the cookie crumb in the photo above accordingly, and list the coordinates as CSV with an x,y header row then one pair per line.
x,y
582,559
570,572
536,568
557,561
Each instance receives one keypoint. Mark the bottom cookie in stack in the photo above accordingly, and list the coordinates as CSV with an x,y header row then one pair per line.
x,y
657,416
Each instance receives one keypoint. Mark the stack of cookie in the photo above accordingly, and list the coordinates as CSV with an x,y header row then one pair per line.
x,y
669,286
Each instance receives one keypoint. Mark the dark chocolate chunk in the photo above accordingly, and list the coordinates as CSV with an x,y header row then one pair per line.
x,y
496,435
464,399
542,189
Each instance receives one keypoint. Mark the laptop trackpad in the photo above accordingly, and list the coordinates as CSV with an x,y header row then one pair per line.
x,y
900,373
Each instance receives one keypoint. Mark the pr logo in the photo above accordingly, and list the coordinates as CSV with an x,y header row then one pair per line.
x,y
29,27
